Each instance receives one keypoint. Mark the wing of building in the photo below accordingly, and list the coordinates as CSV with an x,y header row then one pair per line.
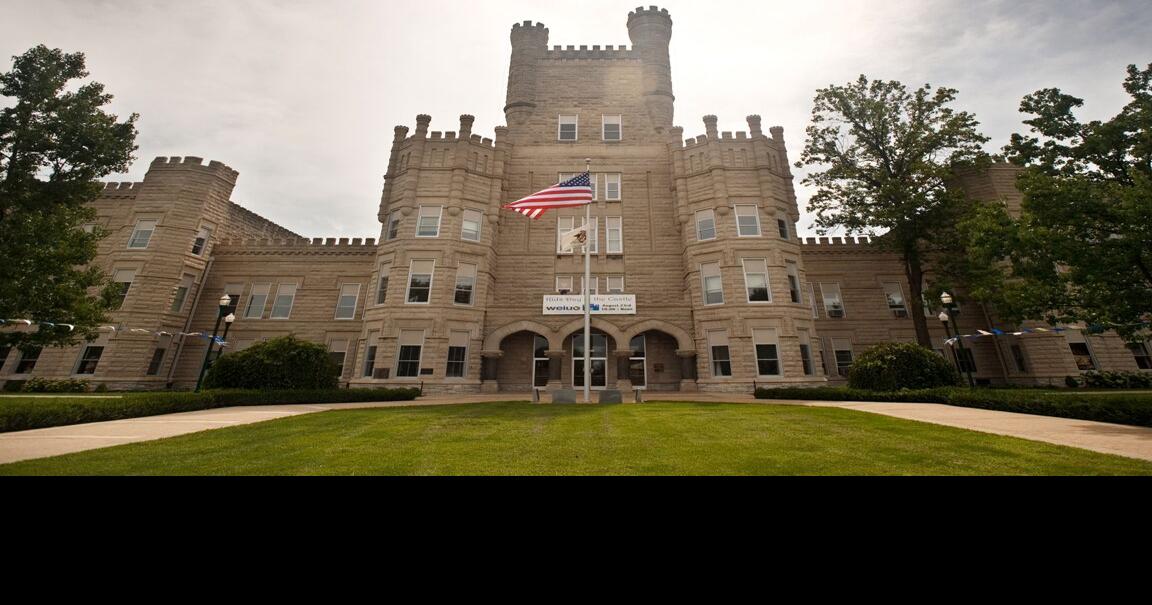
x,y
703,283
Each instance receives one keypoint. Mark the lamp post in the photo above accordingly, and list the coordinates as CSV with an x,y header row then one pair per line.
x,y
951,312
943,317
224,302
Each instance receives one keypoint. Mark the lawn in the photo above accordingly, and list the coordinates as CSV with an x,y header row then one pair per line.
x,y
648,439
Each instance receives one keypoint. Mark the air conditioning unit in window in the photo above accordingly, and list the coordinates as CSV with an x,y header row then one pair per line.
x,y
900,313
381,372
834,312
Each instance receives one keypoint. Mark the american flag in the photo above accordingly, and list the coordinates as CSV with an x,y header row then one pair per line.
x,y
576,191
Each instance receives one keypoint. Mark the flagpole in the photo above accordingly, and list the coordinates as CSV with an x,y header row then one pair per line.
x,y
587,295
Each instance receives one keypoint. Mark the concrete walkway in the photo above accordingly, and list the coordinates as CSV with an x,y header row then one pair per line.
x,y
1130,441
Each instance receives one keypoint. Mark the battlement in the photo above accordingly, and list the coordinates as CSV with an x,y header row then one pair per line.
x,y
841,242
192,162
529,26
121,190
465,133
712,134
240,244
595,52
651,11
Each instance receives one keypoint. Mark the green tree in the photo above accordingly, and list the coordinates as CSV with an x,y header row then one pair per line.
x,y
54,144
1081,249
887,154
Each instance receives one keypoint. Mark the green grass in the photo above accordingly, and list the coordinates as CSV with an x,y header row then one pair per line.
x,y
648,439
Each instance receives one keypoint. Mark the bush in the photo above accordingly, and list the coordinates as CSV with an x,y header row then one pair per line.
x,y
43,385
895,366
279,363
13,386
1072,382
1117,380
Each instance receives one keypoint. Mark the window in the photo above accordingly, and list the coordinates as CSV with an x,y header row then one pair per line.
x,y
598,356
767,352
4,351
713,285
156,361
201,241
408,359
346,304
234,292
842,349
564,224
805,351
615,284
285,297
833,304
564,284
540,361
420,281
812,301
718,347
612,187
256,301
393,225
382,285
429,223
966,359
595,289
1080,350
793,282
1018,357
142,234
471,229
123,279
186,282
370,360
705,225
568,128
782,226
89,359
756,280
457,355
615,234
612,128
28,360
465,283
338,351
747,221
1139,352
895,296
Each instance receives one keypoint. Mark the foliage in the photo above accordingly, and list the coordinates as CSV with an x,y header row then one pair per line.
x,y
19,414
1113,380
893,366
37,384
887,154
54,144
1079,251
278,363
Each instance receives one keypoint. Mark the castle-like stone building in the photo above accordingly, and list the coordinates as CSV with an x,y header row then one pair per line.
x,y
697,235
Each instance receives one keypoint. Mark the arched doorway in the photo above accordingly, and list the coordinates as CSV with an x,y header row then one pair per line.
x,y
652,362
523,362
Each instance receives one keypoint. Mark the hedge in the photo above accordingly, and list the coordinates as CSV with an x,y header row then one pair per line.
x,y
279,363
1120,408
19,414
892,366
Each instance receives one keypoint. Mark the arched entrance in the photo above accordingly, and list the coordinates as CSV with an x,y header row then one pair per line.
x,y
524,362
652,361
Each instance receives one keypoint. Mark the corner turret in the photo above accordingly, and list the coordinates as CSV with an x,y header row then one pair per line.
x,y
651,32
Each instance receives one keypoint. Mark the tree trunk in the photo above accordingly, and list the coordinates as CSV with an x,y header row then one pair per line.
x,y
915,275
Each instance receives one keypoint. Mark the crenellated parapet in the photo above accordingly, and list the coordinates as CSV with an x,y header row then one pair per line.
x,y
571,52
317,245
121,190
193,163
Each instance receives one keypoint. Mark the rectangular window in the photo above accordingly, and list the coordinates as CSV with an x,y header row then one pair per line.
x,y
1080,350
201,241
27,360
420,281
713,284
615,284
612,128
805,351
471,227
595,285
718,347
369,361
705,225
793,282
756,280
1018,357
186,282
256,301
833,304
782,226
615,234
457,355
408,359
842,349
812,301
465,283
568,128
142,234
564,284
564,224
346,304
612,187
123,279
285,297
767,352
1139,352
338,351
4,351
382,284
234,292
393,225
967,360
89,360
156,361
895,296
747,221
428,224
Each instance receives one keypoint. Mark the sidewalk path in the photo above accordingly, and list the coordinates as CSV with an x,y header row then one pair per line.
x,y
1130,441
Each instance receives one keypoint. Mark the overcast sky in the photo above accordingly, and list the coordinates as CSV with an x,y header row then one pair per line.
x,y
301,96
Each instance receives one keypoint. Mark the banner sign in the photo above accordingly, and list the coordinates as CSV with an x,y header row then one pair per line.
x,y
601,304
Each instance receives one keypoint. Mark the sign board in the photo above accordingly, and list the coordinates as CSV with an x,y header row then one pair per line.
x,y
602,304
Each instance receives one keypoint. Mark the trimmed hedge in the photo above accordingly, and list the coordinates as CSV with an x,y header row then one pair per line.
x,y
18,414
1111,380
280,363
1120,408
893,366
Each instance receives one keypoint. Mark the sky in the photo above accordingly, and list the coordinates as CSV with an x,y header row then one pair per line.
x,y
301,96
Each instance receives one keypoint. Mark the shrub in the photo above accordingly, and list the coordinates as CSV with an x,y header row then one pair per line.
x,y
895,366
279,363
1072,382
43,385
1118,380
101,388
13,386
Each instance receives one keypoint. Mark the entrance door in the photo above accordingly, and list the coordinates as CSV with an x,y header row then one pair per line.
x,y
637,368
539,362
599,359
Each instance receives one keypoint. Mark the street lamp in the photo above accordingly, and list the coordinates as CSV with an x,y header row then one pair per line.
x,y
943,317
225,301
950,313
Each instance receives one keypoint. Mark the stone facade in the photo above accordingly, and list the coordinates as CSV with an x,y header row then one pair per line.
x,y
701,230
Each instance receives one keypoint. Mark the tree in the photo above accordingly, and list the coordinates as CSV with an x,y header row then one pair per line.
x,y
54,144
1081,249
888,153
279,363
